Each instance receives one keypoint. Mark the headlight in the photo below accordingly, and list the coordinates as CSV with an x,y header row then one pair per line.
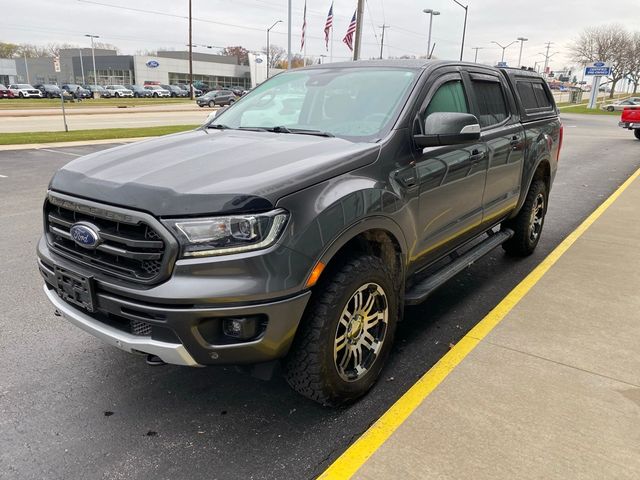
x,y
204,237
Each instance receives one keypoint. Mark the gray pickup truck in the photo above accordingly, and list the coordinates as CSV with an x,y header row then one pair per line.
x,y
295,226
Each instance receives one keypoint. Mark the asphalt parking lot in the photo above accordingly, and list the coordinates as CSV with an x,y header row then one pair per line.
x,y
72,407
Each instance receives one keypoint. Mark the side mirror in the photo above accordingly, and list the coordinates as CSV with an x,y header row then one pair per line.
x,y
448,128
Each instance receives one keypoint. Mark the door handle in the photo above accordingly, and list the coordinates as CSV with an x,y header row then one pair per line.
x,y
515,142
477,156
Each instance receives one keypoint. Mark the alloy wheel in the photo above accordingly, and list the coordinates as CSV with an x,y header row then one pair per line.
x,y
361,332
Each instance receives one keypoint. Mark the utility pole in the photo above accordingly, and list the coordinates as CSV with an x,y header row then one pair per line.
x,y
359,14
475,59
289,58
383,27
546,57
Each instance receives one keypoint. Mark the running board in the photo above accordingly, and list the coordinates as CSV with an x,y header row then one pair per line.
x,y
421,291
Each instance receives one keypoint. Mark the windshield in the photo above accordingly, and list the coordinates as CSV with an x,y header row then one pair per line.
x,y
354,103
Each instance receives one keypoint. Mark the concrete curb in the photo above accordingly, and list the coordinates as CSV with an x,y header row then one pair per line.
x,y
79,143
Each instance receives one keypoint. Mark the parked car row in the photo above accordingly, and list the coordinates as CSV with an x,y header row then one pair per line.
x,y
47,90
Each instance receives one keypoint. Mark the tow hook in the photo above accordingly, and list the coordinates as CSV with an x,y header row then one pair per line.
x,y
154,360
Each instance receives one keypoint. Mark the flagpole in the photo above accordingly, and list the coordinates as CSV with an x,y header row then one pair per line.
x,y
331,49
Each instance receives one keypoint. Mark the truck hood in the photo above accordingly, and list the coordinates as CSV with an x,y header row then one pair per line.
x,y
210,171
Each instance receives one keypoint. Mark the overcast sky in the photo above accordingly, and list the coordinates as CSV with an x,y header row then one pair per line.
x,y
243,22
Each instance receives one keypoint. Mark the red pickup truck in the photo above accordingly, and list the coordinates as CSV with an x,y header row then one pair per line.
x,y
631,121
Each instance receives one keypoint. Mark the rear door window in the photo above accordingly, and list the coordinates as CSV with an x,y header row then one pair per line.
x,y
492,106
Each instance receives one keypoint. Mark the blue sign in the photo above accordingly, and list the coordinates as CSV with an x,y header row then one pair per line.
x,y
502,64
599,64
258,60
598,71
153,64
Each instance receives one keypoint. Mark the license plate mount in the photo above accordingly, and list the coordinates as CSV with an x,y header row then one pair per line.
x,y
75,288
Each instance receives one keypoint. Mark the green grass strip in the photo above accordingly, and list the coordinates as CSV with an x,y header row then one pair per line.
x,y
79,135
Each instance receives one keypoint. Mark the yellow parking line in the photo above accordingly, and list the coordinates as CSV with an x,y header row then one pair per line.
x,y
358,453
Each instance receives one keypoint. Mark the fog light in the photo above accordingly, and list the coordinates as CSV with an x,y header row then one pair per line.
x,y
242,328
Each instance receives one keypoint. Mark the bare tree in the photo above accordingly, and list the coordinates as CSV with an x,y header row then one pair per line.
x,y
608,43
276,55
634,61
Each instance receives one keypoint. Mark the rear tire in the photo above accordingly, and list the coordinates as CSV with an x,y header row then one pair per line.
x,y
346,334
636,132
527,225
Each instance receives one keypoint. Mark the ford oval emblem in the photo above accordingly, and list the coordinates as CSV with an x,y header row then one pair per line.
x,y
84,235
153,64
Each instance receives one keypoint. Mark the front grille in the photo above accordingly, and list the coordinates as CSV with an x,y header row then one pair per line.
x,y
129,247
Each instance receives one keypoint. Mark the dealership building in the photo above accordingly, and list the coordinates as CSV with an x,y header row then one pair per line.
x,y
168,67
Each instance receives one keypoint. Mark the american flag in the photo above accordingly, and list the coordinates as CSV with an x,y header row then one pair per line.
x,y
304,26
348,38
328,26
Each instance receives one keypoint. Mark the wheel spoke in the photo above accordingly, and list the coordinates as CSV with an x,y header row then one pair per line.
x,y
367,340
357,356
341,341
371,300
348,353
357,301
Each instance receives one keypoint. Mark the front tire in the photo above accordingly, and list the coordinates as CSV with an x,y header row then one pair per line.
x,y
636,132
610,109
346,334
527,225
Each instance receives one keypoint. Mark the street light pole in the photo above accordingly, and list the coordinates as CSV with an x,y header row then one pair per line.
x,y
81,66
191,92
522,40
475,59
464,28
26,67
383,27
504,48
289,37
431,13
268,51
357,44
93,56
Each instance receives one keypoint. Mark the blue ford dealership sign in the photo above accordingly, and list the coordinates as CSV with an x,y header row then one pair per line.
x,y
153,64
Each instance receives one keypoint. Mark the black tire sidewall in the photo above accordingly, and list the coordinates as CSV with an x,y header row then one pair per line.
x,y
636,132
521,244
330,299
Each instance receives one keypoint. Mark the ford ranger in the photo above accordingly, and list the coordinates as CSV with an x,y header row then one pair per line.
x,y
296,225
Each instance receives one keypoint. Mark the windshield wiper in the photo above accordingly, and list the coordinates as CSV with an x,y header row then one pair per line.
x,y
300,131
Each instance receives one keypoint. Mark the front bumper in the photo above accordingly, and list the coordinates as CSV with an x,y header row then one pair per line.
x,y
168,352
179,333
